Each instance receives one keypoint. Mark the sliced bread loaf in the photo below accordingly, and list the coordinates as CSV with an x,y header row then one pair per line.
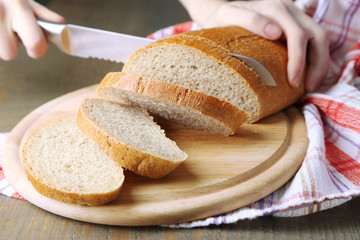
x,y
61,162
181,105
199,61
130,137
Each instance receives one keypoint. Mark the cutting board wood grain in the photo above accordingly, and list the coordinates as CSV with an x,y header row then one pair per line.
x,y
221,173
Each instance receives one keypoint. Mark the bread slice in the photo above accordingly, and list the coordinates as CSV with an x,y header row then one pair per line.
x,y
130,137
61,162
199,61
172,102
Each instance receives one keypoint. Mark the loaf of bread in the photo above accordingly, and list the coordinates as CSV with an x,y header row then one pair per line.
x,y
199,61
189,78
61,162
130,137
181,105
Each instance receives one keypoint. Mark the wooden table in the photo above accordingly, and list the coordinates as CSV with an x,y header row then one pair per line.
x,y
26,84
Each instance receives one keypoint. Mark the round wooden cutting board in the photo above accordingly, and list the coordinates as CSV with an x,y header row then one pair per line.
x,y
221,173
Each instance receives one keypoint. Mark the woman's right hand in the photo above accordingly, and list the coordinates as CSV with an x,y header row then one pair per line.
x,y
18,23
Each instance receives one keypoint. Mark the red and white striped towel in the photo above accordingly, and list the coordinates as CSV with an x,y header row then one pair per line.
x,y
5,187
330,172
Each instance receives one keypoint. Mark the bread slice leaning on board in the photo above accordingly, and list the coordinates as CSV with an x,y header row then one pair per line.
x,y
179,104
130,137
199,61
61,162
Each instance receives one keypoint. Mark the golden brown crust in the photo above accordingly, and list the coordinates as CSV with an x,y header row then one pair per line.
x,y
224,112
69,197
141,163
218,42
272,54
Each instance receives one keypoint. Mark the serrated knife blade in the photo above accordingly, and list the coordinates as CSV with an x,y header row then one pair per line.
x,y
92,43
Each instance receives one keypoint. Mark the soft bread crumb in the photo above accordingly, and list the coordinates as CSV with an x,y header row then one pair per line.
x,y
170,111
61,163
193,69
178,104
130,137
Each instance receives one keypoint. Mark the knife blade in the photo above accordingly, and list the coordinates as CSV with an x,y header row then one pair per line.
x,y
92,43
264,74
95,43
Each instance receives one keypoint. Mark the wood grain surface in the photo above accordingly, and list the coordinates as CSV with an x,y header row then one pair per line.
x,y
221,173
26,84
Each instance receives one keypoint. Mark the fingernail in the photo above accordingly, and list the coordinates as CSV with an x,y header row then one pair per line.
x,y
272,31
296,80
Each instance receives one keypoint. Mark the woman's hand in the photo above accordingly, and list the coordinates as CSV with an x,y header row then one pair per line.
x,y
272,19
18,23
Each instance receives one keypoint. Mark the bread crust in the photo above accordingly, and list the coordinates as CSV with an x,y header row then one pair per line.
x,y
272,54
139,162
229,115
48,190
218,42
69,197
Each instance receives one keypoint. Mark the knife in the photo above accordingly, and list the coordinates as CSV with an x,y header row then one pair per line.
x,y
92,43
95,43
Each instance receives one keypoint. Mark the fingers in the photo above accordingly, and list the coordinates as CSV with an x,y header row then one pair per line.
x,y
297,36
276,18
25,25
319,59
18,21
8,44
8,40
315,42
241,14
271,20
297,45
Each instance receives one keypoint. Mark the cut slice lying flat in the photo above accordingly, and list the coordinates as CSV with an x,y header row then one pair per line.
x,y
130,137
172,102
64,164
